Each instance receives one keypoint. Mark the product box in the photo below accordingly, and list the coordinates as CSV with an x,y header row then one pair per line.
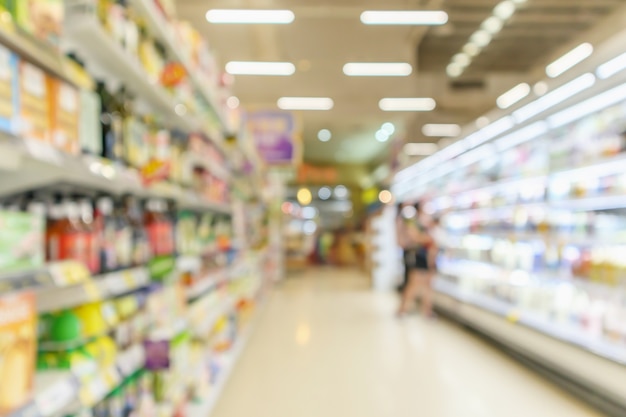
x,y
64,115
9,91
18,349
42,19
136,142
21,241
89,127
34,103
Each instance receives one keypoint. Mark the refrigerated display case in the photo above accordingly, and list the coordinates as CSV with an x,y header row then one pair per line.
x,y
534,207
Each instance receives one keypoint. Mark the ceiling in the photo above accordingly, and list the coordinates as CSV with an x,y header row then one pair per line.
x,y
328,33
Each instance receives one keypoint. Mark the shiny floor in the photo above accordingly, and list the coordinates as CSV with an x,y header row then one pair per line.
x,y
327,346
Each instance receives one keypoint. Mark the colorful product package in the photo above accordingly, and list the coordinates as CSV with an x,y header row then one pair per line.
x,y
18,347
89,128
64,115
21,241
42,19
9,91
34,103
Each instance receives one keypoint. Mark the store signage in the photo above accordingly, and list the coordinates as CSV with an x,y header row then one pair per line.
x,y
274,134
312,174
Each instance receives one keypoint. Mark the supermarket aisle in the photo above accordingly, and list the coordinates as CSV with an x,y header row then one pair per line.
x,y
327,346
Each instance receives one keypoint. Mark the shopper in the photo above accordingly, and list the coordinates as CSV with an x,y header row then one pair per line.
x,y
415,240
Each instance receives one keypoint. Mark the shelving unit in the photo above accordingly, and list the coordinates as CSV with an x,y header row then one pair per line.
x,y
159,27
534,210
226,283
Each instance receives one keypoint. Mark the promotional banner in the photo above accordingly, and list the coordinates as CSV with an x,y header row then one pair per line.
x,y
274,134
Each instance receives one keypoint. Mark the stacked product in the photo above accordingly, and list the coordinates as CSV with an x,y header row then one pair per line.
x,y
108,291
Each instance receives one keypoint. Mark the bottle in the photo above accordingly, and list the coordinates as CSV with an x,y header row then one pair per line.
x,y
112,125
92,240
141,250
105,228
123,237
65,236
159,227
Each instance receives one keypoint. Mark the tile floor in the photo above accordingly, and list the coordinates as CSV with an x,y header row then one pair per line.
x,y
327,346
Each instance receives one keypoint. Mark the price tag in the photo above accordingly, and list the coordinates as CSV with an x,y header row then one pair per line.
x,y
92,291
129,278
112,377
513,316
68,273
56,397
93,392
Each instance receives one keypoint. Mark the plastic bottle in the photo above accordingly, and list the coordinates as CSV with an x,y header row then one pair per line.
x,y
105,228
92,240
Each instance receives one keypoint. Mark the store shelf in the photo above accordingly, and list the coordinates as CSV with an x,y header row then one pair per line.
x,y
38,52
569,334
104,57
161,29
207,283
38,165
597,203
54,274
98,288
218,310
596,370
229,359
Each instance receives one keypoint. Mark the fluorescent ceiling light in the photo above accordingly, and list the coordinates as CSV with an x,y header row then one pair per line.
x,y
381,136
481,38
492,25
247,16
540,88
512,96
407,104
504,10
454,70
462,59
420,149
441,130
377,69
471,49
587,107
404,17
569,60
260,68
612,67
555,97
305,103
388,127
324,135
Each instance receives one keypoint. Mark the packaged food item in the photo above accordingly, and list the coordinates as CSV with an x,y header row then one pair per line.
x,y
105,229
66,236
9,91
112,124
92,241
18,346
42,19
159,227
90,127
136,142
64,115
21,240
34,103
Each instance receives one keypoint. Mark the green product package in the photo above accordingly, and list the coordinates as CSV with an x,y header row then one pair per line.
x,y
160,267
21,241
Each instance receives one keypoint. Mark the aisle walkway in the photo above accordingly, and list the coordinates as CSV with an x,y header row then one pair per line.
x,y
326,346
